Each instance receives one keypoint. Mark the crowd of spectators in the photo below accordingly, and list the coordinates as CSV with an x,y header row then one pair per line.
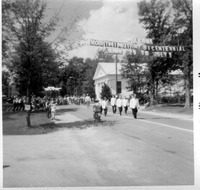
x,y
38,103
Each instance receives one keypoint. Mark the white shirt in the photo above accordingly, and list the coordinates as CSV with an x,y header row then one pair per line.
x,y
104,104
134,103
113,101
119,102
87,99
125,102
53,107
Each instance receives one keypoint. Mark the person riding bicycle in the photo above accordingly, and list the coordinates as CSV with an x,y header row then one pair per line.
x,y
97,111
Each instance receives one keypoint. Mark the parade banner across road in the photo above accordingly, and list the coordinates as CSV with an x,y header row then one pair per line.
x,y
132,45
144,45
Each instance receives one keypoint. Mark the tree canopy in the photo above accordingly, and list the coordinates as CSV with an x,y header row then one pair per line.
x,y
32,59
163,21
106,92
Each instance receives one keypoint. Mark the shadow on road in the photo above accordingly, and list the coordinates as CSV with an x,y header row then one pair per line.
x,y
60,111
6,166
15,123
79,124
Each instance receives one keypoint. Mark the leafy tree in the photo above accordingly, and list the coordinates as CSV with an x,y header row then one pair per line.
x,y
89,87
183,35
29,31
5,82
75,76
104,56
155,17
68,80
43,72
6,6
106,92
134,72
79,66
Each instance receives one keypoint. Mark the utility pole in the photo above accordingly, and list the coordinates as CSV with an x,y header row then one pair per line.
x,y
116,62
116,59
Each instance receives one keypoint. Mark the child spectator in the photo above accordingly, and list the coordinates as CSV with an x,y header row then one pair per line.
x,y
53,109
48,108
105,106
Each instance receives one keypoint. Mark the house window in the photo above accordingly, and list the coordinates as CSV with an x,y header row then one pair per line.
x,y
119,87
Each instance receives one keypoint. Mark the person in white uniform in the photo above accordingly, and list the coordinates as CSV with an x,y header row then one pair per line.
x,y
104,105
125,104
119,104
134,105
113,103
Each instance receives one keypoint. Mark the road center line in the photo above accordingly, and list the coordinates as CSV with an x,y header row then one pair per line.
x,y
169,126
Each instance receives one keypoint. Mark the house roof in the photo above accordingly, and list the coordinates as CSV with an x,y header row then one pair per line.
x,y
110,68
107,68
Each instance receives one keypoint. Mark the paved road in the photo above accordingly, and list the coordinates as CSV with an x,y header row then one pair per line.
x,y
120,151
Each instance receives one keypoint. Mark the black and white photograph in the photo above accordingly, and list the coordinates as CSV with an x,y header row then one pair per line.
x,y
100,94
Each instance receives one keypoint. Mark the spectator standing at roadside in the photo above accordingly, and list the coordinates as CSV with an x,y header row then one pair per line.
x,y
125,104
48,108
105,106
134,105
21,104
113,103
100,103
119,104
88,100
14,104
53,110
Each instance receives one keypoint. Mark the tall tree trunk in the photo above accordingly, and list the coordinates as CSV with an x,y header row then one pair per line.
x,y
152,94
156,90
187,90
28,116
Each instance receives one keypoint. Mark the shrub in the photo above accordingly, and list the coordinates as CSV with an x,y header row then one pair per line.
x,y
106,92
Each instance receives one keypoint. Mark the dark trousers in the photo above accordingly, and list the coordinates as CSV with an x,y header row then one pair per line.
x,y
125,109
105,111
48,112
114,109
120,110
101,109
134,111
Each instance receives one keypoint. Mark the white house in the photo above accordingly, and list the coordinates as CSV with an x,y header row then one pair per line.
x,y
106,73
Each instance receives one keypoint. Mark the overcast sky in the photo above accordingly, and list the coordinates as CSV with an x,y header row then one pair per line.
x,y
100,19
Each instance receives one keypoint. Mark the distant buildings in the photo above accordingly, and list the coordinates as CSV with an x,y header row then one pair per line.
x,y
106,73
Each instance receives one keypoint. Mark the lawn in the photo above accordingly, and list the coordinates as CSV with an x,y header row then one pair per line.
x,y
14,123
171,108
